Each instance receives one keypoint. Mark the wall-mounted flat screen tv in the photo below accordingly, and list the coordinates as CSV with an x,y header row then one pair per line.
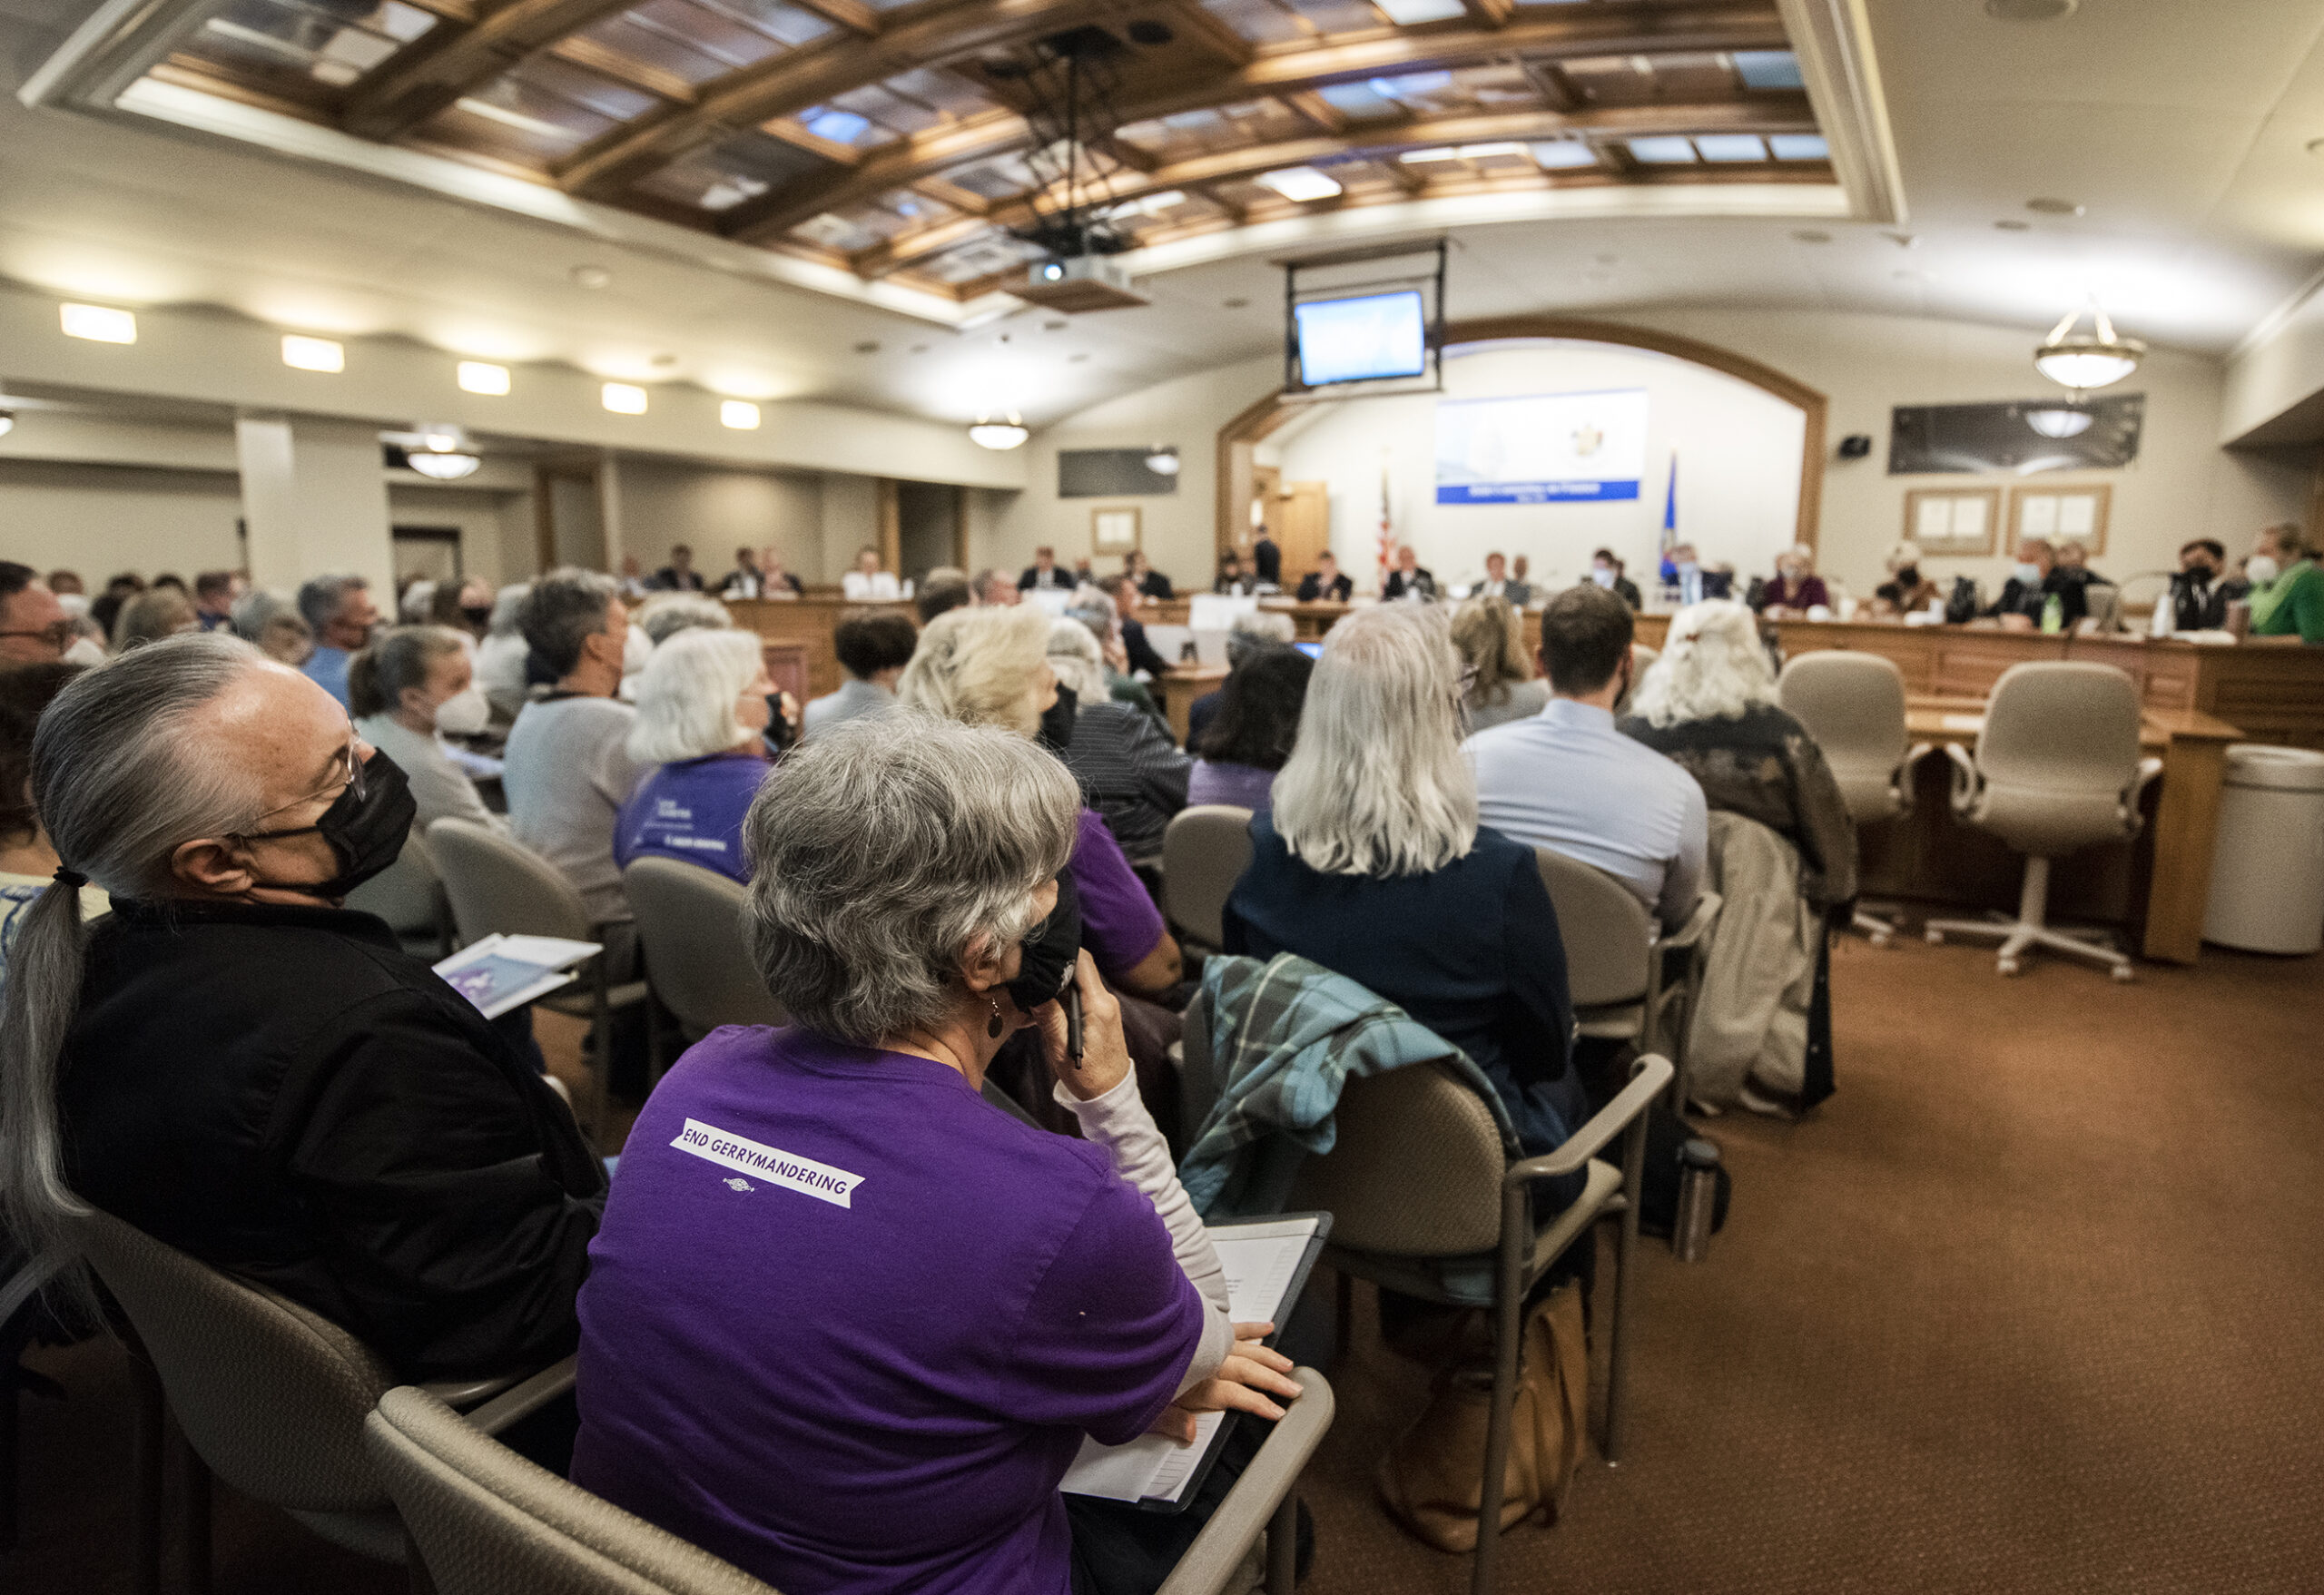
x,y
1360,340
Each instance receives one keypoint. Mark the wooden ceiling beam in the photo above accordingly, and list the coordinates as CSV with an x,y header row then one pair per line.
x,y
449,61
1326,116
942,34
1490,14
622,69
852,15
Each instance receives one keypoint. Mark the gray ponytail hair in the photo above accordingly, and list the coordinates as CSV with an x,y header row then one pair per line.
x,y
119,787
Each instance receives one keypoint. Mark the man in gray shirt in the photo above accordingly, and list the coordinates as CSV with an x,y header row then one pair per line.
x,y
1566,780
568,770
874,648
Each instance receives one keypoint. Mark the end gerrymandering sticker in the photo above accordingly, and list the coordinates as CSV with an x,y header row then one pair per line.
x,y
803,1175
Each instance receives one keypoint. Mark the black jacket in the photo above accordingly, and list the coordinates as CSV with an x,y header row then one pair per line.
x,y
1141,652
1268,560
1419,581
2202,605
1311,590
2018,598
284,1093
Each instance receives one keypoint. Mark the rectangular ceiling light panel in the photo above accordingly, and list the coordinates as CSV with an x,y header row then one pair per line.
x,y
312,354
483,377
1667,150
1411,12
1300,185
1730,146
624,398
98,323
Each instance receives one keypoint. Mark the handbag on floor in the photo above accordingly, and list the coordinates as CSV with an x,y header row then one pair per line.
x,y
1433,1478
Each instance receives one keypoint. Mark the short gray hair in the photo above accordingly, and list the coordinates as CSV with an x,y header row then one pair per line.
x,y
1097,616
1713,666
666,614
508,610
1079,666
256,609
1376,784
686,696
564,609
120,785
885,849
1251,632
322,597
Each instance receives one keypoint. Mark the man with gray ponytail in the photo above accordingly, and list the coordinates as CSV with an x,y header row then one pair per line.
x,y
241,1067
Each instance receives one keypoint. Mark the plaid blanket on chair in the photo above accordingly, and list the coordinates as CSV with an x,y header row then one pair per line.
x,y
1286,1037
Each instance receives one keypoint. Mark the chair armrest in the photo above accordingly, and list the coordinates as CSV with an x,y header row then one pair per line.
x,y
1697,925
2148,769
1219,1550
1649,1075
1966,779
524,1400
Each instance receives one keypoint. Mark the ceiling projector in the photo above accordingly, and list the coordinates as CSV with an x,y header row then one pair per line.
x,y
1080,282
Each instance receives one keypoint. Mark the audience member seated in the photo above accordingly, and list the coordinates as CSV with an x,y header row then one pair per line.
x,y
338,611
882,1389
1097,614
775,579
679,575
466,606
407,688
242,1068
2074,553
214,592
990,667
1150,581
1044,573
1907,591
568,770
2286,586
500,658
33,627
944,588
67,584
1684,569
273,623
1128,769
1247,634
1232,580
118,591
1796,588
755,578
1710,704
1267,560
1325,584
1372,863
664,614
1566,779
1501,684
27,858
152,615
702,711
874,648
867,581
2036,580
995,587
1138,654
1606,570
413,599
1253,733
1499,584
2202,590
1408,580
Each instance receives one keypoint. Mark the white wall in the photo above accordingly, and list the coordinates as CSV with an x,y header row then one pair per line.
x,y
2182,486
483,520
1738,476
716,511
100,520
851,522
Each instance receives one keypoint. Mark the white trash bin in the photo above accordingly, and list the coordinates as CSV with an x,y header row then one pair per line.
x,y
2267,863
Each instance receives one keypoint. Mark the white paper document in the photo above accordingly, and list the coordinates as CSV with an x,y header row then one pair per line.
x,y
502,972
1260,1261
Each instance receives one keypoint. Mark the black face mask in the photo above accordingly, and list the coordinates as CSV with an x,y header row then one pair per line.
x,y
1910,576
476,614
1050,954
1056,722
366,834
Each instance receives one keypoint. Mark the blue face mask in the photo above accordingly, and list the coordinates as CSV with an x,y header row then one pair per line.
x,y
2030,573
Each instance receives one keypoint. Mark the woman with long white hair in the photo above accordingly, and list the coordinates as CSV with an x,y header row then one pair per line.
x,y
1710,703
703,706
1373,865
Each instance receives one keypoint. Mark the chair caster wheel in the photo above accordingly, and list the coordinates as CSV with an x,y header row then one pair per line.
x,y
1933,938
2124,973
2007,966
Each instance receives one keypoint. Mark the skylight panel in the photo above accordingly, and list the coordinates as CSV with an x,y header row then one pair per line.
x,y
1411,85
1767,69
1799,146
1730,146
841,127
1559,154
1300,185
1663,151
1411,12
1360,101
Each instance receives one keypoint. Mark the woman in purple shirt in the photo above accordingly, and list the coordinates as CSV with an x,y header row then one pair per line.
x,y
847,1323
1250,738
704,706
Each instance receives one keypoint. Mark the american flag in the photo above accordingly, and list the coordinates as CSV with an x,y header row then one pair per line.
x,y
1387,532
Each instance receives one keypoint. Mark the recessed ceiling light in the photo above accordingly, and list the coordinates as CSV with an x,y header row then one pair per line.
x,y
1607,260
312,354
2030,10
624,398
482,377
2055,207
2012,224
740,414
1234,304
590,276
1810,236
869,346
663,362
2316,146
919,348
1075,359
98,323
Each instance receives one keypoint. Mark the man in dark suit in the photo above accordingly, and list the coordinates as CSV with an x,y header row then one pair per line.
x,y
1043,572
1410,580
1499,584
2202,591
1267,560
679,575
2037,576
1324,584
1150,581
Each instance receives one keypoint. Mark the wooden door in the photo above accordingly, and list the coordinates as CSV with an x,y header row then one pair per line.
x,y
1300,520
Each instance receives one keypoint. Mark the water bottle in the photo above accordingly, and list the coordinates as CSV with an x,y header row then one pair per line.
x,y
1698,1199
2053,614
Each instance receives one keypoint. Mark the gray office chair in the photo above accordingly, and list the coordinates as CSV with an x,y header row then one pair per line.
x,y
1204,853
2057,769
488,1522
1618,972
2103,600
1853,704
690,929
408,894
498,886
272,1397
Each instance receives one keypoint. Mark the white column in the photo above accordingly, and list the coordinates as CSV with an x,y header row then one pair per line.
x,y
315,503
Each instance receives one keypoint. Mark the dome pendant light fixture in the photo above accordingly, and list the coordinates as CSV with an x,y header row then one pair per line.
x,y
989,433
442,454
2059,420
2081,360
1163,459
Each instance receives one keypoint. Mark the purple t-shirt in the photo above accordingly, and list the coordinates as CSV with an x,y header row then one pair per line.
x,y
846,1322
692,811
1119,923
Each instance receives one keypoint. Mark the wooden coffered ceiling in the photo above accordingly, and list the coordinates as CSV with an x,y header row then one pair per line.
x,y
873,136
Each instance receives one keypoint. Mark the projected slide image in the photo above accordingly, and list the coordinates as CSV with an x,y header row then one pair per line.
x,y
1356,340
1541,448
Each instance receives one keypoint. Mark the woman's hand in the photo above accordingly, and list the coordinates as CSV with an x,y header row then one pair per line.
x,y
1105,1056
1250,1369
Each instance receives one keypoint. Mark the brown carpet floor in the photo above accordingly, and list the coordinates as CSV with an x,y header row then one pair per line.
x,y
2037,1303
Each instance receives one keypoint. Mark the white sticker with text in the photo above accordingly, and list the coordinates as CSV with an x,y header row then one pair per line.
x,y
803,1175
